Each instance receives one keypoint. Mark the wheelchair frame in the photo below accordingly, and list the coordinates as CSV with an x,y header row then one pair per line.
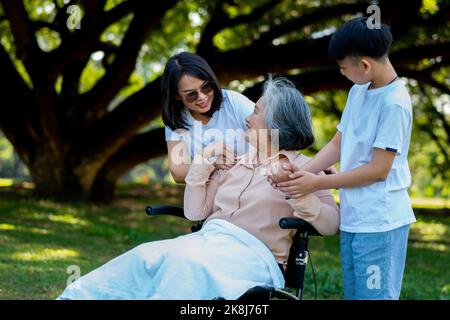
x,y
297,261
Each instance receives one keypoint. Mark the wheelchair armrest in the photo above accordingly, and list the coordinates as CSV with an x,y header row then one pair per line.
x,y
160,210
299,224
165,210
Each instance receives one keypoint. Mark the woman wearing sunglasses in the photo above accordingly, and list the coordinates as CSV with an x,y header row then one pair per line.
x,y
199,114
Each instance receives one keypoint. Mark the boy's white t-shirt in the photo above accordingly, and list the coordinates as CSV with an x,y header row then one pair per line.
x,y
226,124
377,118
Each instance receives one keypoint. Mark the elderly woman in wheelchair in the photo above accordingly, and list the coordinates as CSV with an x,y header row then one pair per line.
x,y
240,245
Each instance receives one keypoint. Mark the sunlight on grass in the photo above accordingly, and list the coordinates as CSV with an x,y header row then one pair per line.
x,y
424,203
431,203
44,254
431,246
38,230
6,182
10,227
430,231
430,235
446,289
6,226
67,218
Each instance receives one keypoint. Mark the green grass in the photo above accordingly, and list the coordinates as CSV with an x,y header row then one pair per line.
x,y
40,239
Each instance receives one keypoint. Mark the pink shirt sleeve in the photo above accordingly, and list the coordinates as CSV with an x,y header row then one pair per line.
x,y
319,209
202,182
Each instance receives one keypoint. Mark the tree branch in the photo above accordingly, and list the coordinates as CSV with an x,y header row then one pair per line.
x,y
254,15
16,109
405,19
325,79
117,75
27,48
430,126
107,135
415,53
140,149
220,20
249,62
38,24
424,76
77,45
321,14
441,115
119,11
46,122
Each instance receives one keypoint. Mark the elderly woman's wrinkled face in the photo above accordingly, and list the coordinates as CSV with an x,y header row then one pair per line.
x,y
256,126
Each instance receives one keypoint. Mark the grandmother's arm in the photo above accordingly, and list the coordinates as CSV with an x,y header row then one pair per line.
x,y
319,209
202,183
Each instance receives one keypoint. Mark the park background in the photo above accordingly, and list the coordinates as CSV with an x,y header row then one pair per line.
x,y
82,148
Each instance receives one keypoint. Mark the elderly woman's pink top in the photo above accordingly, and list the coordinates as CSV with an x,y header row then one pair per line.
x,y
243,196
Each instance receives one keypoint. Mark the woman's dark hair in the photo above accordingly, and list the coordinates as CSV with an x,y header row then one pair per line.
x,y
355,38
177,66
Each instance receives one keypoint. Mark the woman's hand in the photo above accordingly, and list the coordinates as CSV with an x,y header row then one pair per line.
x,y
220,154
301,183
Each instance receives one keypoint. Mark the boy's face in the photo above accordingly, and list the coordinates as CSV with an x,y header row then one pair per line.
x,y
355,69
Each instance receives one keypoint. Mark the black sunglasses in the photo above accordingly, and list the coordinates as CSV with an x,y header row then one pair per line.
x,y
205,89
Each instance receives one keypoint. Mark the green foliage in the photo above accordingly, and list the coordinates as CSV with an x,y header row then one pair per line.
x,y
91,74
181,29
429,7
152,172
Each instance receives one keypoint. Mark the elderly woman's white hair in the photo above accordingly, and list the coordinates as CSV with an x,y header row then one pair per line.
x,y
287,112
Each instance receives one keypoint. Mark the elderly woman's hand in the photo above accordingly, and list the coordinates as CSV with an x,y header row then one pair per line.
x,y
301,183
330,170
220,155
279,171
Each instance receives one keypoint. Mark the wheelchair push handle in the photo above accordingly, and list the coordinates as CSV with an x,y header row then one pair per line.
x,y
164,210
299,224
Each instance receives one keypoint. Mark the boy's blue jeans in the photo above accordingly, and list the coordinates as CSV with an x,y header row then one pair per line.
x,y
373,263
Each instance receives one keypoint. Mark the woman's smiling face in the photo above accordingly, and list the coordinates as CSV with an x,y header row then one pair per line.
x,y
190,85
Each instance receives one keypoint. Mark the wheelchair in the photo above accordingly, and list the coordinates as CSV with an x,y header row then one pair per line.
x,y
294,274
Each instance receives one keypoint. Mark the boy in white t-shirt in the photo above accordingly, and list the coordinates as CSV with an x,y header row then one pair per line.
x,y
371,143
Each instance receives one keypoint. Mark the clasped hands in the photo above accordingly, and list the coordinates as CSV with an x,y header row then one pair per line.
x,y
219,154
291,180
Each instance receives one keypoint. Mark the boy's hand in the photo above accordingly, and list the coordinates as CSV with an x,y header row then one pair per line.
x,y
301,183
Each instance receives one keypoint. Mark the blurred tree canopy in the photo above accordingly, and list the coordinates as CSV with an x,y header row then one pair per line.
x,y
81,99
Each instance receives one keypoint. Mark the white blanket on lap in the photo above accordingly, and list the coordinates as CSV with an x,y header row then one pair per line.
x,y
220,260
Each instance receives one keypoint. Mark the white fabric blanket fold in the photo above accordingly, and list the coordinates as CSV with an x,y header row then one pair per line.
x,y
220,260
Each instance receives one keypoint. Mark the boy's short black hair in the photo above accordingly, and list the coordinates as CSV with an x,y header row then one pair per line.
x,y
355,38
